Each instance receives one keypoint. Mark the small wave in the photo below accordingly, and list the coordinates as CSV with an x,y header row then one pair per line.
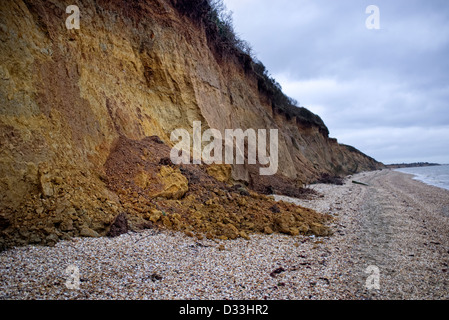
x,y
437,176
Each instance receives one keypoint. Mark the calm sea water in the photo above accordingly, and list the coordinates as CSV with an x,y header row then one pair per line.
x,y
436,175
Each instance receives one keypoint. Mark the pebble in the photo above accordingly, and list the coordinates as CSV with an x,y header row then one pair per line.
x,y
165,264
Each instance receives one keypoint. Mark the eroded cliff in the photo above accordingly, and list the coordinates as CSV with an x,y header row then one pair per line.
x,y
86,117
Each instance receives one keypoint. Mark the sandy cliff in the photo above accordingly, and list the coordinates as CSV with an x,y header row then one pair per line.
x,y
86,117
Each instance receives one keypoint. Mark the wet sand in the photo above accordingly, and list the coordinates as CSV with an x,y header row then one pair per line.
x,y
396,225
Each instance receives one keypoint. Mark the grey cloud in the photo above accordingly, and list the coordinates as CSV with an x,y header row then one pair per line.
x,y
392,80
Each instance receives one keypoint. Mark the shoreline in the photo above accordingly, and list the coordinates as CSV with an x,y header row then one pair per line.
x,y
416,177
396,223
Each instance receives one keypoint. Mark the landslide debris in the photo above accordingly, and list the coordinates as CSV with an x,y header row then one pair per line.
x,y
140,188
158,194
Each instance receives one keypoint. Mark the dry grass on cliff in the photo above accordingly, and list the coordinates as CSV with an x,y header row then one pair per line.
x,y
217,22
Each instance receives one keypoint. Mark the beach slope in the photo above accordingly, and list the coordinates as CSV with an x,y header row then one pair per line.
x,y
395,228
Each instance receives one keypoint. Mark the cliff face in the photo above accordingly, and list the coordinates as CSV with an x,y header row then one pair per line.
x,y
71,99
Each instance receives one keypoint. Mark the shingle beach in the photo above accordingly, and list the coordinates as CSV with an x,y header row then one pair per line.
x,y
395,224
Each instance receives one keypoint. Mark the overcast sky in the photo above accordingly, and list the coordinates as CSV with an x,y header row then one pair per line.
x,y
384,91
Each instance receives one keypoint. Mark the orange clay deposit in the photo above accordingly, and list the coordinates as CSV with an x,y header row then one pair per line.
x,y
187,198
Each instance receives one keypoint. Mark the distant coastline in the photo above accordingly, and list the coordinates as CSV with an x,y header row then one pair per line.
x,y
411,165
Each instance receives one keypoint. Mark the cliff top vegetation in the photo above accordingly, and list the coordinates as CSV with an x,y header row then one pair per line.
x,y
214,17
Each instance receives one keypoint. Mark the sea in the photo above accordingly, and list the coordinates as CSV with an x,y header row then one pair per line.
x,y
437,176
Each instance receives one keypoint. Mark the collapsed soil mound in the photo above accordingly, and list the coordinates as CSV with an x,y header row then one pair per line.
x,y
140,188
157,194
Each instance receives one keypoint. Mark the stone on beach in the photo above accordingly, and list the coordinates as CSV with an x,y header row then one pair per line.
x,y
374,227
